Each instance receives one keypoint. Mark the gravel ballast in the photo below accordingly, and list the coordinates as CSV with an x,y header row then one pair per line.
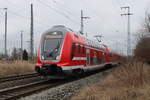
x,y
64,92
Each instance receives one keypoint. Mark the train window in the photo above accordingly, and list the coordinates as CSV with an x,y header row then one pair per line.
x,y
88,56
95,60
83,50
95,57
91,60
99,60
73,50
52,43
79,49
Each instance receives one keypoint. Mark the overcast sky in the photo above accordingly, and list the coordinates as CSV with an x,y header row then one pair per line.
x,y
104,19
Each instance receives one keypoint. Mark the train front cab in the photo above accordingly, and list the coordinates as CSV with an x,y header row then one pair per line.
x,y
50,50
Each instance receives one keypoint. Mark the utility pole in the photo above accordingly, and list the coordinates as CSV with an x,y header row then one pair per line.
x,y
5,32
31,33
82,23
21,44
129,34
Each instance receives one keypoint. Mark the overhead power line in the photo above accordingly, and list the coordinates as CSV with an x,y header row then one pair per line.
x,y
58,12
25,17
67,10
22,16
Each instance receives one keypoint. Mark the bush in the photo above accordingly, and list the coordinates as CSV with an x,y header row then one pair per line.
x,y
142,49
25,55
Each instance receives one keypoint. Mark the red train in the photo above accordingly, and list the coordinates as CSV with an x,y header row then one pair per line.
x,y
64,52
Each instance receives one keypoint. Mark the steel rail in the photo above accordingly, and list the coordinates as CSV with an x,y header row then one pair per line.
x,y
14,93
18,77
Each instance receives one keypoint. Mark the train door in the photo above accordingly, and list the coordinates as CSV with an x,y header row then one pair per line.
x,y
88,56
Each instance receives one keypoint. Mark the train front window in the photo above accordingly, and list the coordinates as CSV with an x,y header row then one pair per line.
x,y
52,45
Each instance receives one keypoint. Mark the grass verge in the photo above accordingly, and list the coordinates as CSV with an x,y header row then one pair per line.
x,y
8,68
130,81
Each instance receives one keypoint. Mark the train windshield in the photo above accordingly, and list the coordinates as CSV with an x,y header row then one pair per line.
x,y
52,45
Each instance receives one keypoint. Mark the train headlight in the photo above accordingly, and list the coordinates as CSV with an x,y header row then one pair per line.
x,y
57,58
42,57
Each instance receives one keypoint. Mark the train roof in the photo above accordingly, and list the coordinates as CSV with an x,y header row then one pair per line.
x,y
61,28
65,29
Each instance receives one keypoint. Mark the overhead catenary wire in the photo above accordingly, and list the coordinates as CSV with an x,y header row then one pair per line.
x,y
16,6
65,9
54,9
100,18
22,16
116,10
27,18
58,12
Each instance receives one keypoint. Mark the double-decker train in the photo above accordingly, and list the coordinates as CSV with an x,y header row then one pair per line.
x,y
64,52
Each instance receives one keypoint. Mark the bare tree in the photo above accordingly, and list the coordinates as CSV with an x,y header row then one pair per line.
x,y
25,55
142,49
16,54
147,23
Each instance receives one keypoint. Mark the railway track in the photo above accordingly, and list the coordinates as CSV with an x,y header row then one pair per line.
x,y
23,90
18,77
16,92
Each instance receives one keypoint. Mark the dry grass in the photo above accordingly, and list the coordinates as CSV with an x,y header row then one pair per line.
x,y
130,81
15,68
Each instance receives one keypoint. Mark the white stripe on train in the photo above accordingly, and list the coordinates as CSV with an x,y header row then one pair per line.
x,y
94,67
79,58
